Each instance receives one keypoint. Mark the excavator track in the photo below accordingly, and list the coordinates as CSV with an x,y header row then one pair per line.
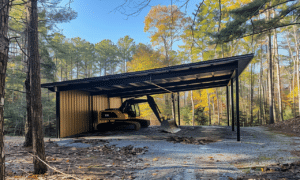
x,y
137,125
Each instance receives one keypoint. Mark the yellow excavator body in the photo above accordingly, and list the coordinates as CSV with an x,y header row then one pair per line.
x,y
129,114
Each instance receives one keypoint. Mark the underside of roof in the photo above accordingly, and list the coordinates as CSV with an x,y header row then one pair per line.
x,y
192,76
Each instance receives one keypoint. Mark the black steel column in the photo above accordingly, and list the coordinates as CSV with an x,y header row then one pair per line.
x,y
173,106
227,105
178,108
232,105
237,105
57,115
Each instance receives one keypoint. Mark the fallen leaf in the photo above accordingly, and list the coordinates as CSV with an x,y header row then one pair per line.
x,y
262,169
155,159
210,157
32,177
154,174
147,164
67,160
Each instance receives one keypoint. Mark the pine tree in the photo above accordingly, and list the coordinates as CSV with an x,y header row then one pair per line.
x,y
4,44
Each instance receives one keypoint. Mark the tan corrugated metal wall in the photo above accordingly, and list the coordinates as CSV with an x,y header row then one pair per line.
x,y
115,102
74,112
100,103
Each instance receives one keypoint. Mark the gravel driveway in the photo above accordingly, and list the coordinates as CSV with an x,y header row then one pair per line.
x,y
219,160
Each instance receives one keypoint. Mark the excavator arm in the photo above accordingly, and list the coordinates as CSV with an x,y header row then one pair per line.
x,y
155,108
166,125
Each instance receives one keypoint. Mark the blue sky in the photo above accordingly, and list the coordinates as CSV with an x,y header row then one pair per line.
x,y
97,21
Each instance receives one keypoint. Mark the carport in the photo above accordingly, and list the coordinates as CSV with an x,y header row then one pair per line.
x,y
77,99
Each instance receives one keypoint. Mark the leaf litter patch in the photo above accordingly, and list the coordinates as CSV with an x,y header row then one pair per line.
x,y
100,161
286,171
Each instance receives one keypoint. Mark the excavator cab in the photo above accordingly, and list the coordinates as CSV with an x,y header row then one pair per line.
x,y
133,110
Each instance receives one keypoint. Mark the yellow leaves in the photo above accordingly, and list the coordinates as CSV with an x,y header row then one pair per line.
x,y
145,58
34,176
155,159
67,160
161,20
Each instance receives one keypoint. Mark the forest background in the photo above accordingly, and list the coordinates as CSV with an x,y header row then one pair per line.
x,y
75,58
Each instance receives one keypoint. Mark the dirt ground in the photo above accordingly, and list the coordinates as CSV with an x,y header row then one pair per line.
x,y
289,127
103,160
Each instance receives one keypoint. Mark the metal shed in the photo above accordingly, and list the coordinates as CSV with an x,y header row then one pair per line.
x,y
77,99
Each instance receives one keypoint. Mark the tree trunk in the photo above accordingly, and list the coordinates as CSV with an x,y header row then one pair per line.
x,y
278,77
297,64
293,80
260,87
35,87
209,111
251,96
264,104
4,44
28,125
61,71
193,109
218,106
71,74
77,69
293,84
271,88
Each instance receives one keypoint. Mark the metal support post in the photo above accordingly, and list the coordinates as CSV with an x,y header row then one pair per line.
x,y
57,115
227,105
237,105
173,106
178,108
232,105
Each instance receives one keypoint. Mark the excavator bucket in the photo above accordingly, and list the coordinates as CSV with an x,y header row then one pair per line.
x,y
170,126
166,125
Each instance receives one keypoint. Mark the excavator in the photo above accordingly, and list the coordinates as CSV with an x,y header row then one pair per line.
x,y
129,114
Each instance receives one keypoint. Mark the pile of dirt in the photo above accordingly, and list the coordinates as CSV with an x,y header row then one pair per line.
x,y
189,140
279,171
98,161
290,127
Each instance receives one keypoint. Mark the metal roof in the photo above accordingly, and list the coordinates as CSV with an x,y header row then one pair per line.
x,y
199,75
